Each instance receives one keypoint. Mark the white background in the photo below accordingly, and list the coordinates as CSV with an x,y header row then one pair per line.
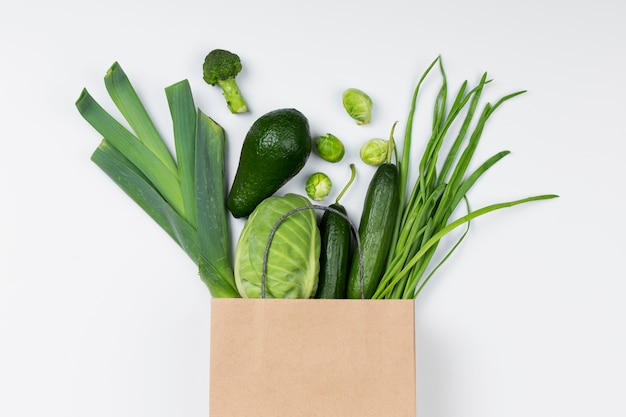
x,y
101,314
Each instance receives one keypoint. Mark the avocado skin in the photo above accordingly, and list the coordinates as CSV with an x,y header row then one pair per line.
x,y
274,150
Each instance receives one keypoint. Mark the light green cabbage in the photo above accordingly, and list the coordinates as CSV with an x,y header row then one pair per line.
x,y
293,260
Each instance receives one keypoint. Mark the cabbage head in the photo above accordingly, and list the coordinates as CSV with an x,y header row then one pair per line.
x,y
293,259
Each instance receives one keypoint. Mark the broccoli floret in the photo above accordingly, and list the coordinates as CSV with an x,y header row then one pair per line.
x,y
221,67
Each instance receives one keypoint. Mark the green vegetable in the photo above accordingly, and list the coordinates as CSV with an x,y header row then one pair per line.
x,y
185,197
336,239
358,105
135,184
318,186
376,227
162,175
330,148
274,150
440,186
213,236
293,258
221,67
184,120
374,151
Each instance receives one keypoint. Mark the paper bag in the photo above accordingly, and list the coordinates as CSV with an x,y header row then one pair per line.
x,y
312,358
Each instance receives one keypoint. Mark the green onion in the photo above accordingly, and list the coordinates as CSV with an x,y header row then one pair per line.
x,y
424,217
391,281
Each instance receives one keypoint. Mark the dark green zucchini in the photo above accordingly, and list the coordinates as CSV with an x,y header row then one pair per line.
x,y
375,230
336,241
336,238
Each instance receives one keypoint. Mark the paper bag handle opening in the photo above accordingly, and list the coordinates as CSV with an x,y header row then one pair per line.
x,y
355,233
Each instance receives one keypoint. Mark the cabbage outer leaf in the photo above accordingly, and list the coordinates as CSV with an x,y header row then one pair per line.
x,y
293,259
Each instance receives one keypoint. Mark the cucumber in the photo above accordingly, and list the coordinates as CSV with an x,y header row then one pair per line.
x,y
375,230
336,240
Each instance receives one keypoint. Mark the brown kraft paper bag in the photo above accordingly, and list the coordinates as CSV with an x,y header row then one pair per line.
x,y
312,358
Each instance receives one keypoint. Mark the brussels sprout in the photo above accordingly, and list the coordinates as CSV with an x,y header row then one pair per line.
x,y
330,148
293,259
358,105
318,186
374,151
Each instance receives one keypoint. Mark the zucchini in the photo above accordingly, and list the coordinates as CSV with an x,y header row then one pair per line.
x,y
376,230
336,238
336,241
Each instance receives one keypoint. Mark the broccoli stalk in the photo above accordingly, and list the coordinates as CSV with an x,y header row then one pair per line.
x,y
221,67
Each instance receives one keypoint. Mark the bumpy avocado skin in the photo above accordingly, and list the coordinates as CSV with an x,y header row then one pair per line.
x,y
274,150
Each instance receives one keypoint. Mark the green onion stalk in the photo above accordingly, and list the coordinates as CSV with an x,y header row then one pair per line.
x,y
441,185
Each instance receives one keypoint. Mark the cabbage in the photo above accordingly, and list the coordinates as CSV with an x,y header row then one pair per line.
x,y
293,259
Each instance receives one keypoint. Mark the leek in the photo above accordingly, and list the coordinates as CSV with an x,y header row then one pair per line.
x,y
214,260
183,112
183,193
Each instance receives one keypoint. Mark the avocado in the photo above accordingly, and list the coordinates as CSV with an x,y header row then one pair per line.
x,y
274,150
